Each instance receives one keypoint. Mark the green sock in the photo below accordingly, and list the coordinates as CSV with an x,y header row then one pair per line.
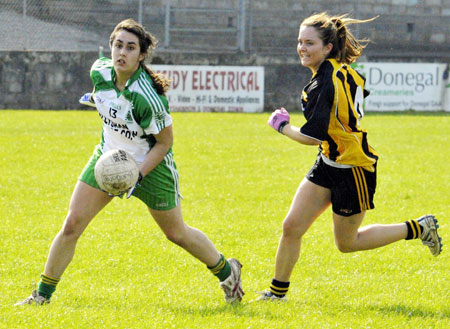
x,y
222,269
47,286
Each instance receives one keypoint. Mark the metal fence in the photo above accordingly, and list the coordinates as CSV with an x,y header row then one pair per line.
x,y
219,27
205,28
60,25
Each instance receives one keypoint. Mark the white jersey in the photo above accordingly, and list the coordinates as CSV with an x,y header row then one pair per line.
x,y
132,116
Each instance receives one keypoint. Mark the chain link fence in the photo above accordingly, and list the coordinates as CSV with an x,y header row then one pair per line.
x,y
84,25
54,25
230,26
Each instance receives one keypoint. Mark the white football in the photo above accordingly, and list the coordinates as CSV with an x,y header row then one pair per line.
x,y
116,171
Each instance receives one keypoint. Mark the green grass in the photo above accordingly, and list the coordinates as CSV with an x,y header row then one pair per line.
x,y
238,178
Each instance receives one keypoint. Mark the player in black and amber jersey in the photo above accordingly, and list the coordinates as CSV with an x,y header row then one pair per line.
x,y
332,104
344,174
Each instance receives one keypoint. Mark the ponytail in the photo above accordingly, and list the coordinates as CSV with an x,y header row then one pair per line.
x,y
339,50
162,84
333,29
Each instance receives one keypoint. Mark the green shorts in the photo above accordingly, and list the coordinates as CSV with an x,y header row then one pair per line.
x,y
159,190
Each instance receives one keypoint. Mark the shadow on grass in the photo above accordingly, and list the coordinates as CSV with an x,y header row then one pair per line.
x,y
240,310
409,113
412,311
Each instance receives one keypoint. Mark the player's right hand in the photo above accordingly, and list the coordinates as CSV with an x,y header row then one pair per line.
x,y
279,119
131,189
86,99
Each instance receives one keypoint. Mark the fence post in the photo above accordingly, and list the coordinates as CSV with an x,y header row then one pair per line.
x,y
167,26
241,23
24,24
250,28
140,12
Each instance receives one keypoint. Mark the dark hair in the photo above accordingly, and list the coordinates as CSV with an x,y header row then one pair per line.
x,y
333,29
147,43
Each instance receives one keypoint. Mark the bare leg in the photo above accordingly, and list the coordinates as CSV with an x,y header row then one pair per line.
x,y
85,203
349,237
191,239
309,202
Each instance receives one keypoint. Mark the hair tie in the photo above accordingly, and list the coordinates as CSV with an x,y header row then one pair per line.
x,y
340,28
338,23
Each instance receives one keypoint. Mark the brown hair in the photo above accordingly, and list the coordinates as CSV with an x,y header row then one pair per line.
x,y
147,43
333,29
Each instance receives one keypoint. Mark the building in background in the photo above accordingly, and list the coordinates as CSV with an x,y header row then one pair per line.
x,y
45,38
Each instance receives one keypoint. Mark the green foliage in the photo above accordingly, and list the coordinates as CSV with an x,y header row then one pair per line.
x,y
237,178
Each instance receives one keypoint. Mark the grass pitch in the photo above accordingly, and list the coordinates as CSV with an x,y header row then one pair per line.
x,y
238,178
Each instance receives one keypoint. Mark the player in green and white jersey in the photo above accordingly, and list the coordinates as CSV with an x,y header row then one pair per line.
x,y
130,99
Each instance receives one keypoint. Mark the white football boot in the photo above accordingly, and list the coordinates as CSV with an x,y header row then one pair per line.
x,y
429,236
35,299
268,295
232,286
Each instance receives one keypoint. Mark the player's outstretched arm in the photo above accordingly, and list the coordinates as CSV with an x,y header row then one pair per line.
x,y
87,100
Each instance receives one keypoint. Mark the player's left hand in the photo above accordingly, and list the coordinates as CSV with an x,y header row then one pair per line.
x,y
131,190
279,119
86,99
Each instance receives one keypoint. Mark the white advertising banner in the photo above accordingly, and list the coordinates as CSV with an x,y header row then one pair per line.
x,y
214,88
447,91
404,86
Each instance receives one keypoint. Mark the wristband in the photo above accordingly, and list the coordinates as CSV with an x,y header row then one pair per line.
x,y
281,127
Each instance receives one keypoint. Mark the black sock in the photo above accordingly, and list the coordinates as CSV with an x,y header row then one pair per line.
x,y
414,229
279,288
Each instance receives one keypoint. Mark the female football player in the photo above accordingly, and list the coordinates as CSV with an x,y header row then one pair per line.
x,y
344,174
130,99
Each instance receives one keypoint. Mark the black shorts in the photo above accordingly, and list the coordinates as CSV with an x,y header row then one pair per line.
x,y
352,189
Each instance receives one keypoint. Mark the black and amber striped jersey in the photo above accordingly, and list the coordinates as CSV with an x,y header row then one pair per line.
x,y
332,103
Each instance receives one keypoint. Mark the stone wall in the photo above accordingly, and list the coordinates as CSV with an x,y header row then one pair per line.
x,y
55,80
39,80
406,31
267,26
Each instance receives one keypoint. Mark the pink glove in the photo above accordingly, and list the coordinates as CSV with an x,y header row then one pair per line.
x,y
279,119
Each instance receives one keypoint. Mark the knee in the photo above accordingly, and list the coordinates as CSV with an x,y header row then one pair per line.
x,y
344,246
292,229
176,237
71,229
